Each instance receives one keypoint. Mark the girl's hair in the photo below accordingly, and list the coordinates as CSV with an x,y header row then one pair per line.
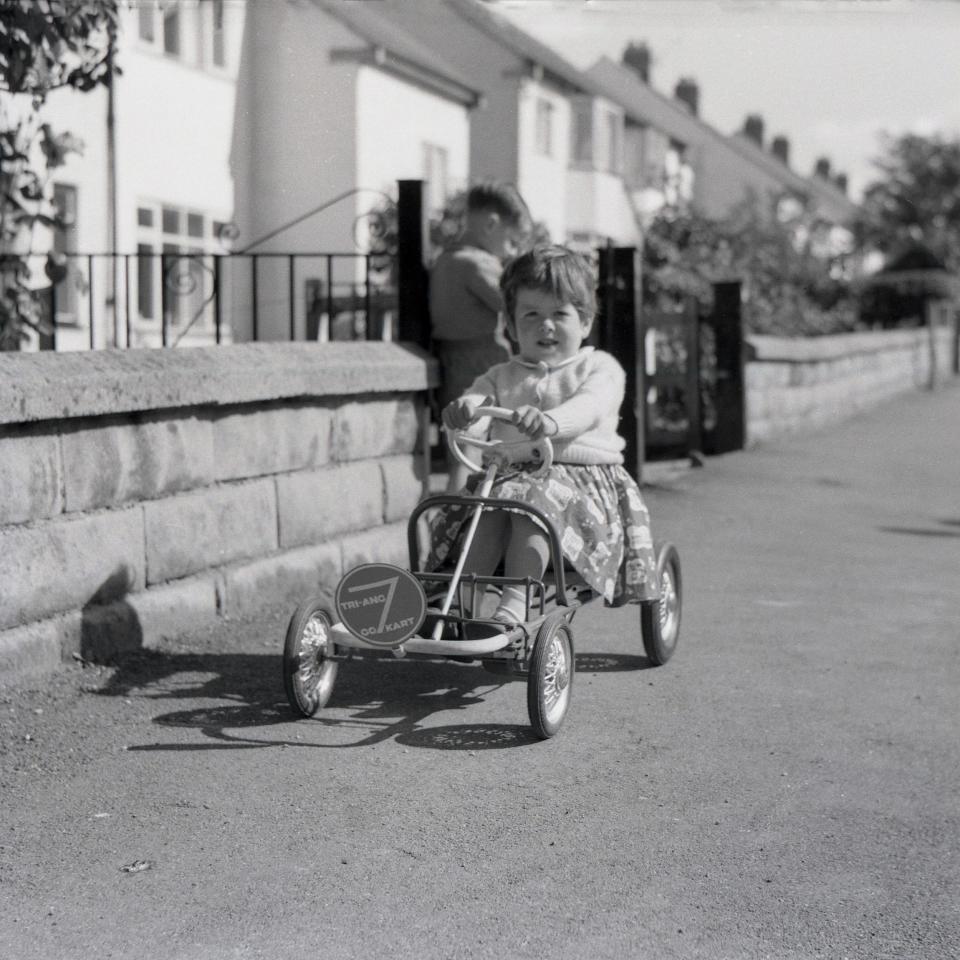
x,y
556,270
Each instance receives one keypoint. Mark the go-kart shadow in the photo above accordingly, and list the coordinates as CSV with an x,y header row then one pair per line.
x,y
383,700
610,662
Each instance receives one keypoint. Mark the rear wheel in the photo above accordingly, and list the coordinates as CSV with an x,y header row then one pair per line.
x,y
308,671
660,619
550,678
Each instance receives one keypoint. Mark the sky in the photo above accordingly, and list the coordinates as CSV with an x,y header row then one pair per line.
x,y
831,75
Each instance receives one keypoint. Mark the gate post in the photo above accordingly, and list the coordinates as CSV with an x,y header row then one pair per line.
x,y
730,430
413,321
619,331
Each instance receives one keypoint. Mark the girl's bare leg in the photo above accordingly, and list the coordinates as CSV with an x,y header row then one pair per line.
x,y
528,553
486,550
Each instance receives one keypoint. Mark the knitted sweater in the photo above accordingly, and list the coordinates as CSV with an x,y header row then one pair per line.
x,y
582,395
465,300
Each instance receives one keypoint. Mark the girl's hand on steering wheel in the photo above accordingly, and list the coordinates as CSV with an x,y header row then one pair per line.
x,y
459,414
534,423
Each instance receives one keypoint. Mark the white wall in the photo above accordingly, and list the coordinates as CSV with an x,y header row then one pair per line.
x,y
542,180
394,120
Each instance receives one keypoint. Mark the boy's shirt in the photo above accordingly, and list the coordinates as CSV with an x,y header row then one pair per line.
x,y
465,300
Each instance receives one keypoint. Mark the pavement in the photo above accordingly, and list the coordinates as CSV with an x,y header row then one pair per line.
x,y
785,787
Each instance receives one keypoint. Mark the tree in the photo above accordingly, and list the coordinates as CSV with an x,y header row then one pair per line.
x,y
917,197
792,266
44,45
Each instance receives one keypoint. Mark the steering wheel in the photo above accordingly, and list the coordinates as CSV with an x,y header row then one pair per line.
x,y
501,451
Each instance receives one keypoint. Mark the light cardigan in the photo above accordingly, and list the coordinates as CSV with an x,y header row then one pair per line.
x,y
582,395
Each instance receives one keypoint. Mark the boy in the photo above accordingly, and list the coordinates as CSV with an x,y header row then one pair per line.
x,y
465,300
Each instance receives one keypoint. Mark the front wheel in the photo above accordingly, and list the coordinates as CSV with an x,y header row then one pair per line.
x,y
308,671
550,678
660,619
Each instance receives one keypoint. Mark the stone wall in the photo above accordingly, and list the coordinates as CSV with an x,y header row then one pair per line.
x,y
798,384
147,494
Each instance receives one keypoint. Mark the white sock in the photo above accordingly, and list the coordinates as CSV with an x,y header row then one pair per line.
x,y
513,603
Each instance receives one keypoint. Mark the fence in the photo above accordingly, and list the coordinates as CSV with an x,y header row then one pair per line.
x,y
191,298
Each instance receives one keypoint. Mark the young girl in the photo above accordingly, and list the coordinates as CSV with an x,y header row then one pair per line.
x,y
560,389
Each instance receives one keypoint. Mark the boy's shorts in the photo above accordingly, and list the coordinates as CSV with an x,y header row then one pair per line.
x,y
462,361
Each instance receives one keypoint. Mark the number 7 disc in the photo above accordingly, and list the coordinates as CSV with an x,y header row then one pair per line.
x,y
381,604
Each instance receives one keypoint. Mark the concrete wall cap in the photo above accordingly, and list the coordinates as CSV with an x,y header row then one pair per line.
x,y
766,349
53,386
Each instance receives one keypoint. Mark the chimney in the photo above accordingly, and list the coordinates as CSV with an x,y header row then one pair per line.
x,y
780,148
822,168
638,58
840,181
753,128
688,91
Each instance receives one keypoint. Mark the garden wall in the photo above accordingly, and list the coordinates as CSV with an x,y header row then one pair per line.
x,y
796,384
149,493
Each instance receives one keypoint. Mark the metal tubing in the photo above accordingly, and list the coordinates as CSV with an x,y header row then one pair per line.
x,y
90,298
485,488
293,318
253,292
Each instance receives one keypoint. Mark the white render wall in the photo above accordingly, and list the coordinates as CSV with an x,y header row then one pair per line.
x,y
394,120
542,180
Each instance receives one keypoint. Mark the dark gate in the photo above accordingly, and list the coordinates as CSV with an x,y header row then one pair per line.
x,y
685,380
671,348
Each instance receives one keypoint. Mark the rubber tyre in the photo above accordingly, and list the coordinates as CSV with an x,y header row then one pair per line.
x,y
550,678
660,619
308,674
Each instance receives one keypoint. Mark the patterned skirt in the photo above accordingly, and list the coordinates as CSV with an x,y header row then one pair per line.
x,y
599,514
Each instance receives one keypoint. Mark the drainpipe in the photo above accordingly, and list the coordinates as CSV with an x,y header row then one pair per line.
x,y
112,186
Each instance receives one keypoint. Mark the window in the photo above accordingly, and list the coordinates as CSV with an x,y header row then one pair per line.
x,y
543,133
191,31
145,22
435,174
614,143
174,267
171,28
217,35
581,148
65,241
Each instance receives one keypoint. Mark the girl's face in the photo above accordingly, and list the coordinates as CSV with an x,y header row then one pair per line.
x,y
546,329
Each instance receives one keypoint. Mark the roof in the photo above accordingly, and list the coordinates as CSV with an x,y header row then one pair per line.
x,y
644,104
510,36
394,49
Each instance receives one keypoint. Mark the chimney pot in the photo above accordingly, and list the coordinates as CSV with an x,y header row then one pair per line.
x,y
688,90
822,167
753,128
780,148
638,57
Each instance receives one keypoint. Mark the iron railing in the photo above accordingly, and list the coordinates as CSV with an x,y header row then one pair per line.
x,y
190,297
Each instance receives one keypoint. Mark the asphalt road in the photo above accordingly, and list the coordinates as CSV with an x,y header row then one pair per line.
x,y
786,787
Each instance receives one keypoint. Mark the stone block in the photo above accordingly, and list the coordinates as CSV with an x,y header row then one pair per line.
x,y
284,579
32,650
109,462
317,505
403,486
68,562
172,610
387,544
209,528
375,428
31,475
254,442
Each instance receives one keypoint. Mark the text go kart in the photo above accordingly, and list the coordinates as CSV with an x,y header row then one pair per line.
x,y
381,610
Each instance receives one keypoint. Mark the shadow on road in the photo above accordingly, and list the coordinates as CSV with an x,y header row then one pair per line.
x,y
376,700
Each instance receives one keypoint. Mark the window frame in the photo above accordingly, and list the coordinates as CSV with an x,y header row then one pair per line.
x,y
543,135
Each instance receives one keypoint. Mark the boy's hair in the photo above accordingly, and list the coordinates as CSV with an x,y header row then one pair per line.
x,y
554,269
502,199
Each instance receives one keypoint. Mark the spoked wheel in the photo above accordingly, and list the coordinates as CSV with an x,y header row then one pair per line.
x,y
308,671
660,619
550,678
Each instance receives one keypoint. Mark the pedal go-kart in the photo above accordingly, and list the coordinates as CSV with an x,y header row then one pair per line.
x,y
384,611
